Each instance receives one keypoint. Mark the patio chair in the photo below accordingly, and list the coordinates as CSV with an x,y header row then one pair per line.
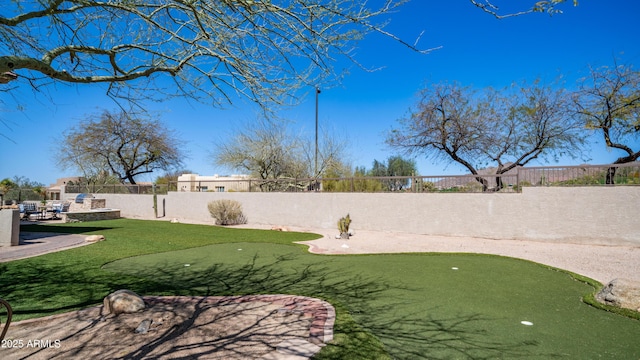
x,y
5,327
29,208
60,208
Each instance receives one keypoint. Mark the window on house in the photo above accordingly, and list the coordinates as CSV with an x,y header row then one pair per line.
x,y
220,188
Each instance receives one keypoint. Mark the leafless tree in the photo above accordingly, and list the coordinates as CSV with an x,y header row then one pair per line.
x,y
504,129
608,101
332,153
270,150
121,144
265,149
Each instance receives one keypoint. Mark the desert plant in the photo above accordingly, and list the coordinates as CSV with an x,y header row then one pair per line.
x,y
42,191
343,226
5,186
518,187
424,186
227,212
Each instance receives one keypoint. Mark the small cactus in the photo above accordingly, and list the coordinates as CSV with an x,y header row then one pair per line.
x,y
343,226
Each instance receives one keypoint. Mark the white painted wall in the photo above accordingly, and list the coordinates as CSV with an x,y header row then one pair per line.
x,y
600,215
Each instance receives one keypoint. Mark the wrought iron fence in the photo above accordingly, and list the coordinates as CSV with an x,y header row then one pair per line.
x,y
585,175
120,188
510,182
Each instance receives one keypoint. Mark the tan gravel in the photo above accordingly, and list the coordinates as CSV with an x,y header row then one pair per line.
x,y
599,262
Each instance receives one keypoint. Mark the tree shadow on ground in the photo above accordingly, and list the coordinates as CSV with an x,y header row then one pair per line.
x,y
37,289
431,336
52,230
226,328
365,305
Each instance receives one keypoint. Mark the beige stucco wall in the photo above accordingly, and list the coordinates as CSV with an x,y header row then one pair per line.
x,y
9,227
601,215
130,205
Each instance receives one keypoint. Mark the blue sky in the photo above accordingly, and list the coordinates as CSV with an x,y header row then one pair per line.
x,y
477,50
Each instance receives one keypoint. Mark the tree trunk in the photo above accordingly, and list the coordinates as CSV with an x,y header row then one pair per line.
x,y
611,174
483,181
499,183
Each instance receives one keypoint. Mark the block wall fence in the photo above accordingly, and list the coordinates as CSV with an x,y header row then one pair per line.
x,y
594,215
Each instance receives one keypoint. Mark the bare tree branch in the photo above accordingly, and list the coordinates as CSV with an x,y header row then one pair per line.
x,y
549,7
210,51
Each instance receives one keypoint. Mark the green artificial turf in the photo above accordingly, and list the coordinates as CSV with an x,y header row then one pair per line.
x,y
402,306
72,279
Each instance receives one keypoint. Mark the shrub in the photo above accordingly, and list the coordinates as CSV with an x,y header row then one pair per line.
x,y
227,212
518,187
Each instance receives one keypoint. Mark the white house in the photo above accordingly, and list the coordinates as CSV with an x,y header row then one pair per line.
x,y
199,183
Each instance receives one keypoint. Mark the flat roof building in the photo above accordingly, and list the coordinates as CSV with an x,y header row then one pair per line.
x,y
217,183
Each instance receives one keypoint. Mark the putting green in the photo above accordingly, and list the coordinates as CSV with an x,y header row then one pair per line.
x,y
418,305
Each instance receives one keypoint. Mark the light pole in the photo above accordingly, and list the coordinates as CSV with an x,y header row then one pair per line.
x,y
315,168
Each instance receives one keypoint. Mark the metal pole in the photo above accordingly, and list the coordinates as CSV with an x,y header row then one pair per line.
x,y
315,168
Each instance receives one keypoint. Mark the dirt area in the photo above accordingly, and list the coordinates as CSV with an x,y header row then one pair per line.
x,y
248,327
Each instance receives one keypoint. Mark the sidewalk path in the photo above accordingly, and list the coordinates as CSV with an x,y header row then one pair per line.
x,y
35,243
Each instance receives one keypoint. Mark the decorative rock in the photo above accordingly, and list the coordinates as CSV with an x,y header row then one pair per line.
x,y
280,228
143,328
174,221
622,293
122,302
94,238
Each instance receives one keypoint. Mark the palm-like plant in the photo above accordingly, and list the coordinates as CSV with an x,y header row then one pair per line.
x,y
5,186
42,191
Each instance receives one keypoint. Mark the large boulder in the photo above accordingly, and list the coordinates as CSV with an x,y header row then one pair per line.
x,y
622,293
122,302
94,238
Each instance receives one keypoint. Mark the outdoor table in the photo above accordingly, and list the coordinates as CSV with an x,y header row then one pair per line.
x,y
43,210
